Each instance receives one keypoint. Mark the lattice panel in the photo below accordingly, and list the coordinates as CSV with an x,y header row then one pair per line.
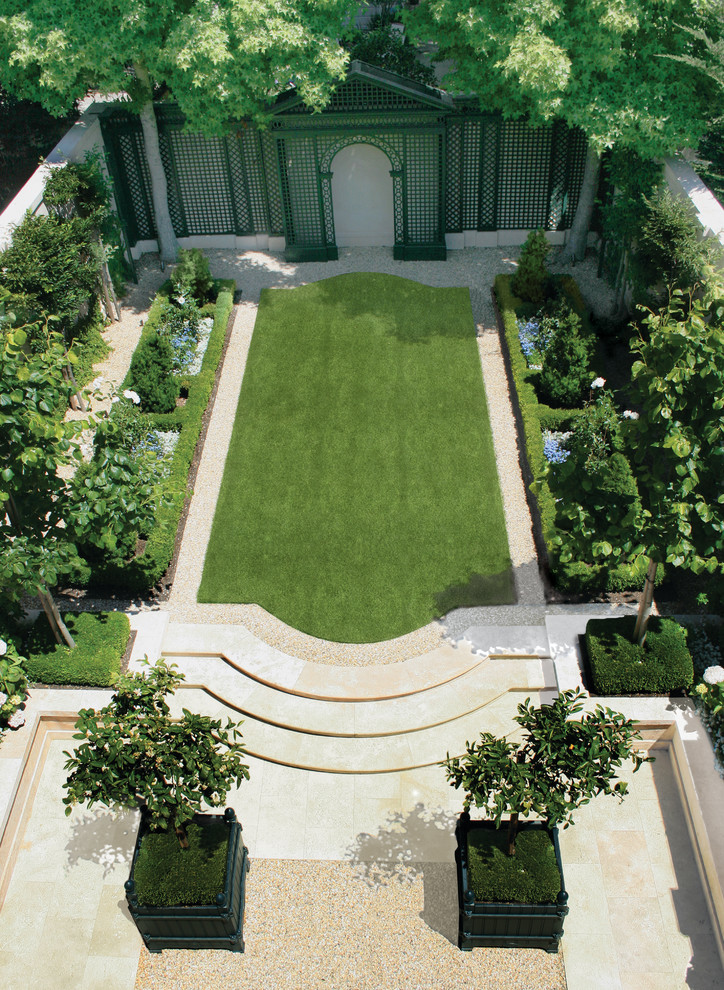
x,y
270,157
354,121
203,183
360,94
249,144
558,193
576,146
422,173
454,177
131,153
301,195
239,186
523,176
175,206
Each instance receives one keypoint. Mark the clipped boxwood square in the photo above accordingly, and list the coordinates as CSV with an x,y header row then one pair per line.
x,y
100,638
619,666
529,877
166,874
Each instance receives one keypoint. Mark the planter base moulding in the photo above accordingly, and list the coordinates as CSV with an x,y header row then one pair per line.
x,y
484,924
204,926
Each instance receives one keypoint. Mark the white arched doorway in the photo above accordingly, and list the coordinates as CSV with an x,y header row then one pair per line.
x,y
362,198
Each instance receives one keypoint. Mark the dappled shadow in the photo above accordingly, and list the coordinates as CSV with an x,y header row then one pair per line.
x,y
479,589
419,844
103,837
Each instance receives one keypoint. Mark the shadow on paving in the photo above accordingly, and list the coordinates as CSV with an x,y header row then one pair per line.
x,y
479,589
417,844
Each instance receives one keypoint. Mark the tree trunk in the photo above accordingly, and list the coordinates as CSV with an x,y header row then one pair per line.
x,y
76,400
642,619
60,630
512,832
167,244
182,837
575,247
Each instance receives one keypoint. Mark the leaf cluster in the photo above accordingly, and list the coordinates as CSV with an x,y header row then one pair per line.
x,y
561,764
132,752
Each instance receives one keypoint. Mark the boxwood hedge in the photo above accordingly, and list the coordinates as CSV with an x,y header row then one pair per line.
x,y
101,639
145,570
619,666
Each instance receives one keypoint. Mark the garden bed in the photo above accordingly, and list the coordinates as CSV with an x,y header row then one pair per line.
x,y
101,640
534,418
154,554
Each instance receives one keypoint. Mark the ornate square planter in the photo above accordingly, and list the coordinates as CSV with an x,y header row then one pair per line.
x,y
508,926
203,926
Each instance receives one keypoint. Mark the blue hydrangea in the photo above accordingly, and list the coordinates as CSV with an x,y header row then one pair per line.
x,y
528,336
554,450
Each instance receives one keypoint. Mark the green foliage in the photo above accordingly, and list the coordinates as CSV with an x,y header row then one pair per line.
x,y
678,441
619,666
151,374
385,47
52,260
225,61
146,569
132,752
560,764
566,368
88,345
536,59
77,189
670,252
166,874
597,488
101,639
530,281
529,877
191,279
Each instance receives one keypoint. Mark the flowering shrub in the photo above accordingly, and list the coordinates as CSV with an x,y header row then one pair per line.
x,y
534,335
13,684
554,449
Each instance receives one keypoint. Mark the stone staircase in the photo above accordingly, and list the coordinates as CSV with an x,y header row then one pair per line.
x,y
370,719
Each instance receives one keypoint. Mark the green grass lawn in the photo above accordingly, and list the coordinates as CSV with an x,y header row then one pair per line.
x,y
360,496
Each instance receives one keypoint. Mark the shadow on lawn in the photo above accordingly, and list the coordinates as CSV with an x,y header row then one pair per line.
x,y
479,589
418,844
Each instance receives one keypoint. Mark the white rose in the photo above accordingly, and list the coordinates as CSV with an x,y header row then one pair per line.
x,y
3,647
598,383
133,396
629,414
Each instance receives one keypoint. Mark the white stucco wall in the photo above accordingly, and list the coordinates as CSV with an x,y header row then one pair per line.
x,y
362,198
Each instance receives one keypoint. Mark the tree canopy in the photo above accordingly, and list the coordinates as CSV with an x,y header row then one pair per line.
x,y
592,63
222,61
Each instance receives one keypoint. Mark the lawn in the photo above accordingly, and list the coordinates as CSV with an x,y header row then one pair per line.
x,y
360,496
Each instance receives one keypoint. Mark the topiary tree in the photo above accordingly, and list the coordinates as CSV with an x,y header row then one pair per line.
x,y
151,374
530,280
132,753
566,360
560,765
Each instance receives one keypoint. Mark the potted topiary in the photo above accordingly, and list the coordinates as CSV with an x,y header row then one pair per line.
x,y
510,880
187,882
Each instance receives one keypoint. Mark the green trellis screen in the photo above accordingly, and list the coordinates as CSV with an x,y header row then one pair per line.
x,y
453,169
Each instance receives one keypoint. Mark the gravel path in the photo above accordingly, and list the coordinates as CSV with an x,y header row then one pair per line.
x,y
310,925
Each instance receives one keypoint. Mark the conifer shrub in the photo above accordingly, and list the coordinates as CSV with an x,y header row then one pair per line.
x,y
566,368
151,374
530,281
192,277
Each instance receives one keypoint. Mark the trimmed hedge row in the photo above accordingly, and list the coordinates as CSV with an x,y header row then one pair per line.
x,y
576,576
618,666
144,571
101,639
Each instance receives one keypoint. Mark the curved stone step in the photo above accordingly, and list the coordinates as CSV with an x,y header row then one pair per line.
x,y
431,706
360,754
241,649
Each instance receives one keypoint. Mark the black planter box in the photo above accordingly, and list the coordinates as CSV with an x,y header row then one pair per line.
x,y
507,926
204,926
